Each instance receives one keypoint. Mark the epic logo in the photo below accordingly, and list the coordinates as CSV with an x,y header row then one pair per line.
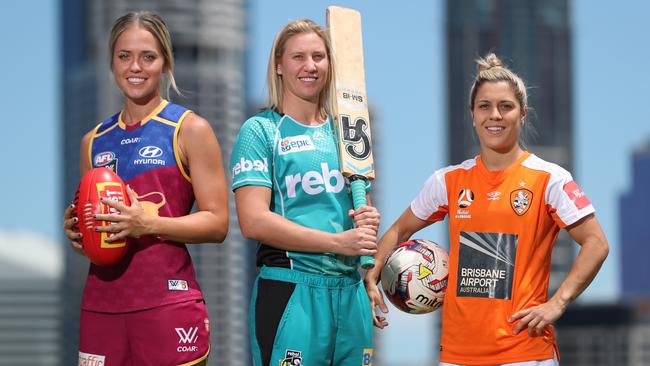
x,y
312,182
357,141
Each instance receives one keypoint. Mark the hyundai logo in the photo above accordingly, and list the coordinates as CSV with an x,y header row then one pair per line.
x,y
150,152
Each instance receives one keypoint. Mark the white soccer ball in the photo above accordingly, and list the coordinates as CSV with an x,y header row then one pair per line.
x,y
415,275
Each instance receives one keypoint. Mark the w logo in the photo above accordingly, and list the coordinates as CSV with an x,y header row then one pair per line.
x,y
187,336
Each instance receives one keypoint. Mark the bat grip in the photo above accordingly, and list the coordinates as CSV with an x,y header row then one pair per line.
x,y
358,187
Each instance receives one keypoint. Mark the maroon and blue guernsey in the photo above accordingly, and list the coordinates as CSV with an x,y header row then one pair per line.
x,y
155,271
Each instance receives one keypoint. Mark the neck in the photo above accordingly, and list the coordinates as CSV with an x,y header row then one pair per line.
x,y
303,111
135,110
500,160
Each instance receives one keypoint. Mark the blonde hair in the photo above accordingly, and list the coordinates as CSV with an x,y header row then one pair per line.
x,y
274,80
154,24
491,69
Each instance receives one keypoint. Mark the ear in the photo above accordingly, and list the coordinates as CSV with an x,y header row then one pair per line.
x,y
278,69
524,113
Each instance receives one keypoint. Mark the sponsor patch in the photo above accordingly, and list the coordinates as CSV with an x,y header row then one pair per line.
x,y
244,165
465,198
177,285
186,339
494,195
291,358
577,196
89,359
486,265
366,359
520,200
294,144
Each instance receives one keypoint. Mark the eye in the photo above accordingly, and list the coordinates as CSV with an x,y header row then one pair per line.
x,y
149,57
298,57
318,57
123,56
483,106
507,106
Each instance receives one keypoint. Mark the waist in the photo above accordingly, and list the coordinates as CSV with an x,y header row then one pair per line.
x,y
310,279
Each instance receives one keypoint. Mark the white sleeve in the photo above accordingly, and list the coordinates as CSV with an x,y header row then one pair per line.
x,y
566,201
431,204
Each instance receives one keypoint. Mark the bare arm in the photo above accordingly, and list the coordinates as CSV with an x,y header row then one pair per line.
x,y
405,226
259,223
593,251
70,222
200,151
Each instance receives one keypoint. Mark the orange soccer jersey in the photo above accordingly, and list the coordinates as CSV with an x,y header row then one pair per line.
x,y
502,228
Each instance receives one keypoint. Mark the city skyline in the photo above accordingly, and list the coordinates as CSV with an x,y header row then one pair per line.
x,y
610,56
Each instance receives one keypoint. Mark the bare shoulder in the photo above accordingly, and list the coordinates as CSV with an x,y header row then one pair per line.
x,y
195,126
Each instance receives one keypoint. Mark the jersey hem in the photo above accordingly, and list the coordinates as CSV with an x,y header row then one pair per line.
x,y
136,309
498,361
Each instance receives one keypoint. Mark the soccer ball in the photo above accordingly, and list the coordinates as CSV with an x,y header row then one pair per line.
x,y
414,277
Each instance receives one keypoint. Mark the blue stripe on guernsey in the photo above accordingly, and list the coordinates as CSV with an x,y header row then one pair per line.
x,y
153,148
300,164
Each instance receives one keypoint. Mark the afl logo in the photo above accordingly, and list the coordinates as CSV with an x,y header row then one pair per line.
x,y
150,152
103,158
465,198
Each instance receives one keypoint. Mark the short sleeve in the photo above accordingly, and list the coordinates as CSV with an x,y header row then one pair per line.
x,y
431,204
566,201
252,155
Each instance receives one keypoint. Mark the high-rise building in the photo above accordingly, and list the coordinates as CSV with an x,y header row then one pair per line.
x,y
533,39
209,43
30,304
633,210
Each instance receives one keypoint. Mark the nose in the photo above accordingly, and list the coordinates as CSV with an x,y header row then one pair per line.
x,y
495,114
310,65
135,65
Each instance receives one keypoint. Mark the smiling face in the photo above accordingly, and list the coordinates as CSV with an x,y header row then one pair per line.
x,y
497,116
303,67
138,64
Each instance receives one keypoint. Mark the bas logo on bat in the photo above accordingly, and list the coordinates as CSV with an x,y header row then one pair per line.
x,y
356,138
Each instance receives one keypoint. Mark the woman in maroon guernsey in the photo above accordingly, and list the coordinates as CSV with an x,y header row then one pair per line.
x,y
148,309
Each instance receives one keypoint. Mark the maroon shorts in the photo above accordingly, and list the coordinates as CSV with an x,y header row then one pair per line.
x,y
176,334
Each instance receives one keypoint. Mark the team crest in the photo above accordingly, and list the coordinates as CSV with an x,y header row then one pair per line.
x,y
291,358
520,200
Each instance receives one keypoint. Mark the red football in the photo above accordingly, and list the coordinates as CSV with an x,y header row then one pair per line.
x,y
95,184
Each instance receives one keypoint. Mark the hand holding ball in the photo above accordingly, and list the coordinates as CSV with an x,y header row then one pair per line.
x,y
96,184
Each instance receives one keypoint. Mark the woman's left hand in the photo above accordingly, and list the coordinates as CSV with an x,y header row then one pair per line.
x,y
366,216
537,317
130,221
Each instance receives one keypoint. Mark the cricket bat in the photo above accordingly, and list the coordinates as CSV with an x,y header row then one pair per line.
x,y
350,104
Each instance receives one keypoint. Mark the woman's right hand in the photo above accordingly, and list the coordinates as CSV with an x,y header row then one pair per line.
x,y
71,230
357,241
376,299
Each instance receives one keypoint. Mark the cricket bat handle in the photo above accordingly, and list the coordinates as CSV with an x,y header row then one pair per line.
x,y
358,187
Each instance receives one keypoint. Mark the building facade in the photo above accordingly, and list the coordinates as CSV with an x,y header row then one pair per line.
x,y
634,238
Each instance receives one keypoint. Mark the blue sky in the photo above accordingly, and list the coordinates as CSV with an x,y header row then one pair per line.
x,y
405,75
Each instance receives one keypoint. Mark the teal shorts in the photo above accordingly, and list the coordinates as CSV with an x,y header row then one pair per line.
x,y
298,318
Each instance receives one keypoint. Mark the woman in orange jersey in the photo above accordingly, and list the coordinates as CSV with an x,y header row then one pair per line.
x,y
506,208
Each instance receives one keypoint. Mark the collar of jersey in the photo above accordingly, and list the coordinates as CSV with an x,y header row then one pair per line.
x,y
146,119
327,120
497,177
